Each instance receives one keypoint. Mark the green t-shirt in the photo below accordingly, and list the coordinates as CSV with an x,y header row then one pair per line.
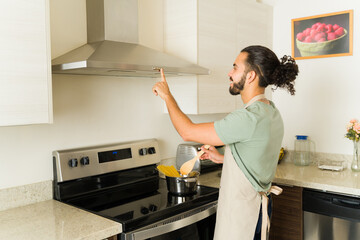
x,y
254,136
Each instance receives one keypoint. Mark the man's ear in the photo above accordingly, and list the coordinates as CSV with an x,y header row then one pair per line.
x,y
250,76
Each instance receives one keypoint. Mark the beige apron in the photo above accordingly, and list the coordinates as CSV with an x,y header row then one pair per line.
x,y
239,203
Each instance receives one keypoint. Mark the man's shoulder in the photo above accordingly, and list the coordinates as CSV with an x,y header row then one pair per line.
x,y
262,108
242,113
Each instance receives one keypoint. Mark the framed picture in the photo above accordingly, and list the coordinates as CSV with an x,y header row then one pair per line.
x,y
326,35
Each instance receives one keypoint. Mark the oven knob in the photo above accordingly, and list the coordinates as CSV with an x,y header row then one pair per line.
x,y
151,150
73,162
152,207
142,151
85,161
144,210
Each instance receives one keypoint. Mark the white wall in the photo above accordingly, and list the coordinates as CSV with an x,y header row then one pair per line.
x,y
88,110
96,110
327,89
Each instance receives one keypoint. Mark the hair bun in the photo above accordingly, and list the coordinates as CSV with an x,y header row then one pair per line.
x,y
287,59
285,74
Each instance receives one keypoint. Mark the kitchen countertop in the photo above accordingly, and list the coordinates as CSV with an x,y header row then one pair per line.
x,y
345,182
53,220
211,179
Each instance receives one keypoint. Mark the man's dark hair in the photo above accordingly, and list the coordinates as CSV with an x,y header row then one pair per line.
x,y
270,70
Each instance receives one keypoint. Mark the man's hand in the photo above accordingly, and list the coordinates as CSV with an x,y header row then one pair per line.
x,y
212,154
189,131
161,88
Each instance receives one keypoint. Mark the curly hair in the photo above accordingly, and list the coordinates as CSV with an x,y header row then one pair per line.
x,y
272,71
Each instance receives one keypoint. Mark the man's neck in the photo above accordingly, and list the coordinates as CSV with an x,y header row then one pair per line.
x,y
246,96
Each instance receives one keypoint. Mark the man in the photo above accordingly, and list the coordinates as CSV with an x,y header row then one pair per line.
x,y
252,135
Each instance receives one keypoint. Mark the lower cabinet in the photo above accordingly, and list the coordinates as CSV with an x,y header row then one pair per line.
x,y
287,215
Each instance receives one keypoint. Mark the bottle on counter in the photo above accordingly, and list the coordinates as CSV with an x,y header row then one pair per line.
x,y
304,150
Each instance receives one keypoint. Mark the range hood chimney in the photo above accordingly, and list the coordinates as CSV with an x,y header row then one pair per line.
x,y
113,49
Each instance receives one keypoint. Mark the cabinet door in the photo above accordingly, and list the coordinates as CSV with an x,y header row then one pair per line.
x,y
201,33
287,215
25,75
217,50
253,30
211,33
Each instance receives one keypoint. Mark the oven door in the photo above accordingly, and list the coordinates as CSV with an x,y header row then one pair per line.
x,y
195,224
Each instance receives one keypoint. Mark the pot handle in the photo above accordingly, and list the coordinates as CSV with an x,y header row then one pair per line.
x,y
187,180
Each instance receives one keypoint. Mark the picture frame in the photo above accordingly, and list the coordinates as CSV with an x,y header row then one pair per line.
x,y
321,36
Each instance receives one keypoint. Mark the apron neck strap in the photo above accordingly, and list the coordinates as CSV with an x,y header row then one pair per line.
x,y
254,99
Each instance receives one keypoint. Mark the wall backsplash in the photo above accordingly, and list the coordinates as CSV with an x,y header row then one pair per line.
x,y
88,110
322,157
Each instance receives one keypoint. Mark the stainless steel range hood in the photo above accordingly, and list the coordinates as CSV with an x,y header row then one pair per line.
x,y
113,49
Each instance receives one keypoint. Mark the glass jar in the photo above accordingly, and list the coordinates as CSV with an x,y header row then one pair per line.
x,y
302,150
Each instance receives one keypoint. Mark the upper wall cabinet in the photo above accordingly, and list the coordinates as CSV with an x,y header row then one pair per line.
x,y
25,73
212,33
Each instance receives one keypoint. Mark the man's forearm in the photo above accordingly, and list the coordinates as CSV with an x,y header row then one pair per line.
x,y
200,132
180,121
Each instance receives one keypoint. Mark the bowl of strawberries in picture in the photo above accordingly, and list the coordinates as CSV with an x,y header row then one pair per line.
x,y
320,39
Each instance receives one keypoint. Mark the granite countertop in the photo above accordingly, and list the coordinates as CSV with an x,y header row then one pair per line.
x,y
345,182
53,220
211,179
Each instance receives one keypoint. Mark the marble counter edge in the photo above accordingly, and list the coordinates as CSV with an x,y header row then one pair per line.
x,y
213,180
317,186
342,182
52,219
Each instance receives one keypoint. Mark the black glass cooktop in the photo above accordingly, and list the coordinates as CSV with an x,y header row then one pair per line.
x,y
157,206
134,198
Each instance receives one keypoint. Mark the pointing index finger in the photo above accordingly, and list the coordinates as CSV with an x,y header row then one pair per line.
x,y
162,75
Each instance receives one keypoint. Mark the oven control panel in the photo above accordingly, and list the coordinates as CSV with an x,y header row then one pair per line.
x,y
77,163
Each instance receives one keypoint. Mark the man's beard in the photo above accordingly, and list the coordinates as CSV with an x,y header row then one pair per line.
x,y
236,88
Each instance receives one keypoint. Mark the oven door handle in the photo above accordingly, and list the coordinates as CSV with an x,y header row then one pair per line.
x,y
170,224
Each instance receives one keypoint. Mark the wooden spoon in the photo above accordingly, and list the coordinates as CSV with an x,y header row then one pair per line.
x,y
189,165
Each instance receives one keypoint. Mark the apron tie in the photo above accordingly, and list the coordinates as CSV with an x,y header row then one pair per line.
x,y
265,222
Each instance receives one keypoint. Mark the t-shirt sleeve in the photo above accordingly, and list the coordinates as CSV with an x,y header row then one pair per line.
x,y
236,127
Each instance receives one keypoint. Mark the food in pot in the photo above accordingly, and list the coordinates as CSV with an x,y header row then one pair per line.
x,y
169,171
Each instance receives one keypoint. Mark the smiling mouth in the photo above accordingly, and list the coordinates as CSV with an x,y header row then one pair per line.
x,y
231,81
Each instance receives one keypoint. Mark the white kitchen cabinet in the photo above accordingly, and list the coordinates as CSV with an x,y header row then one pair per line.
x,y
212,33
25,73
